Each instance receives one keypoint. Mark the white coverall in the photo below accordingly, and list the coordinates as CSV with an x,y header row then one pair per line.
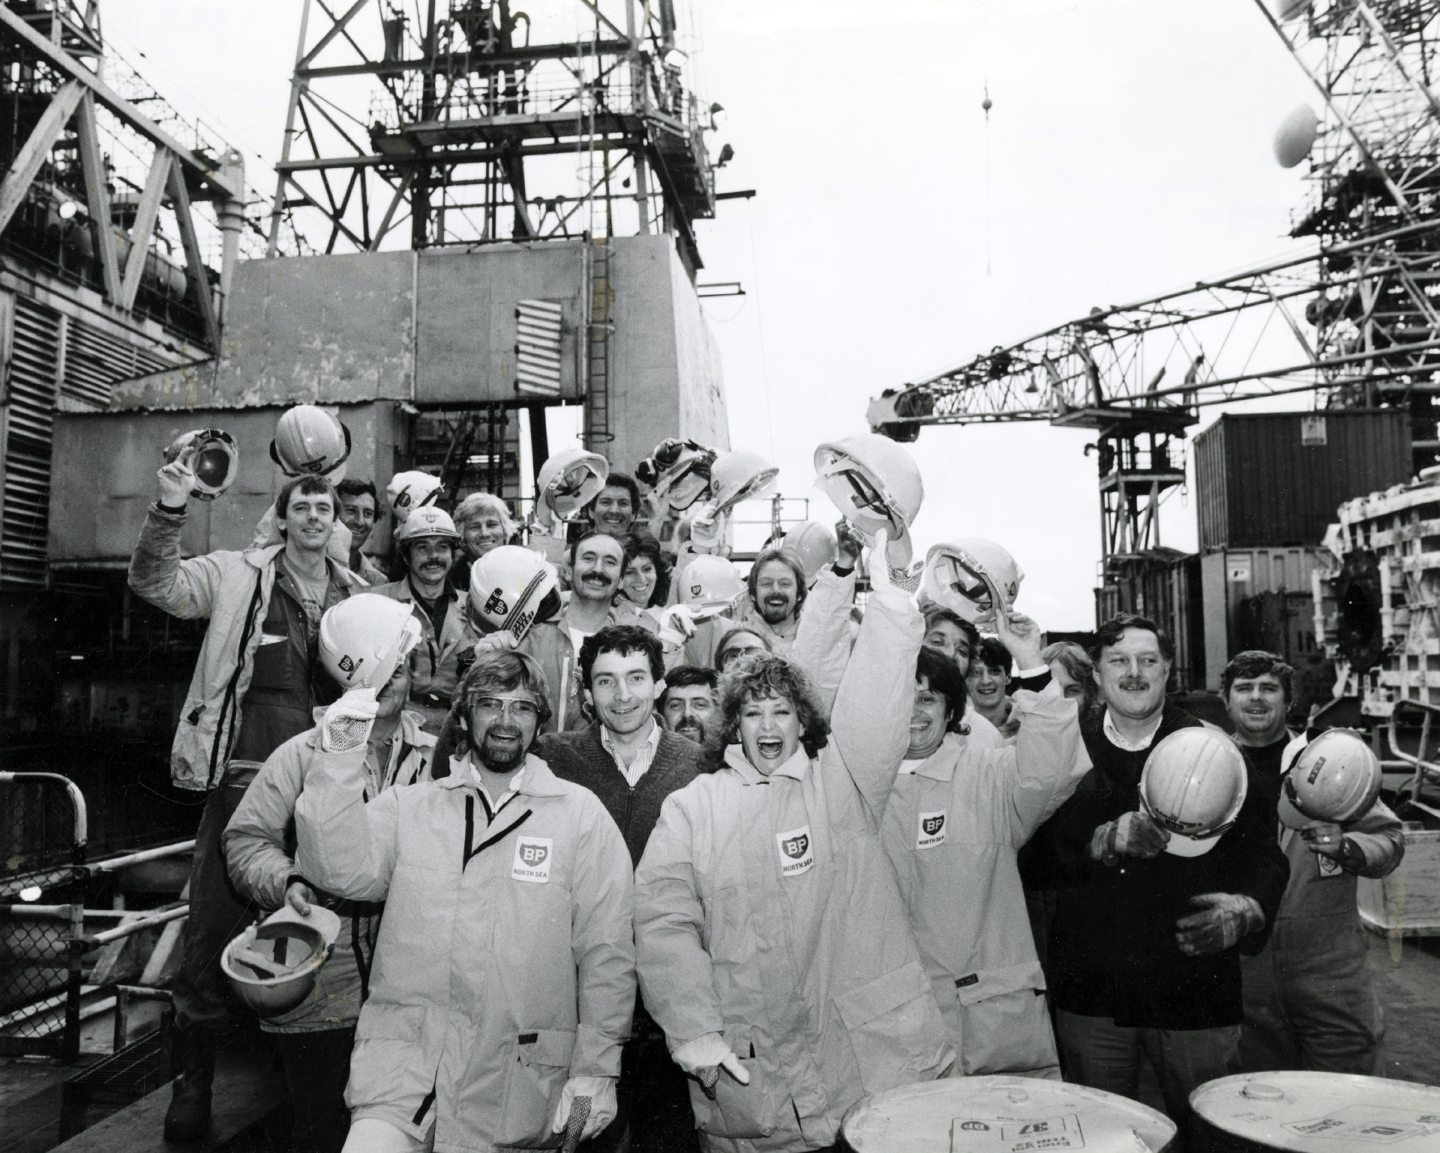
x,y
505,961
765,911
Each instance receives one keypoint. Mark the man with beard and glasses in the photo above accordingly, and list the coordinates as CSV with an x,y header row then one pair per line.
x,y
689,704
504,977
1144,951
427,542
1309,997
597,562
777,591
632,764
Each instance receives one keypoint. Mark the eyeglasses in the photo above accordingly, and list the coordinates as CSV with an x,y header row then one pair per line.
x,y
518,708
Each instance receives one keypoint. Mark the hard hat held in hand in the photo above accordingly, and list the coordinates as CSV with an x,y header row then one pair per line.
x,y
1193,785
272,965
813,544
737,476
711,587
309,441
511,588
364,638
955,575
211,454
681,477
873,482
427,522
1335,778
567,482
411,490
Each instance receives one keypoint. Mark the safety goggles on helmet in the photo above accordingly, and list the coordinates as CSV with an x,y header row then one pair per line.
x,y
1335,778
685,483
411,490
955,573
568,481
212,455
309,441
1193,785
511,588
272,966
364,638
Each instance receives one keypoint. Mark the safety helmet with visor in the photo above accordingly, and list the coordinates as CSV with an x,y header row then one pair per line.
x,y
411,490
212,455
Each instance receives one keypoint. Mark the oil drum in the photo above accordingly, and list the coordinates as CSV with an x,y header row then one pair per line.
x,y
998,1114
1309,1112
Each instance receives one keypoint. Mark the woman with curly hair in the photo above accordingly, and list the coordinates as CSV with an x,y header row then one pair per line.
x,y
773,946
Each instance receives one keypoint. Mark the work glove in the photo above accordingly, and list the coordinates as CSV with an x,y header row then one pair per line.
x,y
587,1105
177,480
347,723
706,529
677,625
886,575
1223,918
705,1056
1129,835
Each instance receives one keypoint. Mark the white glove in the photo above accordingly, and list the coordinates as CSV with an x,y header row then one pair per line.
x,y
599,1092
706,528
177,480
1223,918
1129,835
347,723
883,576
677,625
702,1057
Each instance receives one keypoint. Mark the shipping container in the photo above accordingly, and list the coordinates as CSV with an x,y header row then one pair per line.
x,y
1164,585
1262,598
1275,479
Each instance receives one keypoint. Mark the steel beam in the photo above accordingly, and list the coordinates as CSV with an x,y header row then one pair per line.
x,y
37,147
97,198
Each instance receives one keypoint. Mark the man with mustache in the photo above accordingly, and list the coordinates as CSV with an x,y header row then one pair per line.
x,y
427,543
504,970
597,562
690,703
777,590
1145,944
632,764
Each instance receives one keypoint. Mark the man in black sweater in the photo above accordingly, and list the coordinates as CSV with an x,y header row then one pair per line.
x,y
1145,951
628,760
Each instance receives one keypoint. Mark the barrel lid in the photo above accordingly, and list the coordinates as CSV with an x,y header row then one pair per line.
x,y
1307,1111
995,1114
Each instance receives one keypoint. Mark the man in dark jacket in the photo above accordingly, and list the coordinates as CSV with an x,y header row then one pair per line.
x,y
1145,952
632,763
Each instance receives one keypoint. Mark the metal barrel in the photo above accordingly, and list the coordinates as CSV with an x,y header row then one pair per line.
x,y
1308,1112
996,1114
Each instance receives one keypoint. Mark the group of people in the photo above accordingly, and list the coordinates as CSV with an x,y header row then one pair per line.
x,y
633,848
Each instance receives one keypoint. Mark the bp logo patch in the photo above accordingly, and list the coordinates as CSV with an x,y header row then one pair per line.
x,y
496,605
348,664
930,830
532,859
796,851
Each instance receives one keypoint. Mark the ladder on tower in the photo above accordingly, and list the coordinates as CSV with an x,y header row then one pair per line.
x,y
598,327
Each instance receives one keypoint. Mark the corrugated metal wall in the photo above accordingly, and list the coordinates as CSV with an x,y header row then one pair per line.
x,y
1258,598
1275,479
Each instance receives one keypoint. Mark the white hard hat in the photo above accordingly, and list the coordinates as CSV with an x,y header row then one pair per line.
x,y
272,965
409,490
954,573
1296,136
1335,778
309,441
814,544
1193,785
710,586
427,521
873,482
737,476
364,637
685,481
212,455
567,482
509,587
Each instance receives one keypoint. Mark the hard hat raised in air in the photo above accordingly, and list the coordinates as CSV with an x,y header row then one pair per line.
x,y
511,588
309,441
1193,785
212,455
955,573
410,490
873,482
567,482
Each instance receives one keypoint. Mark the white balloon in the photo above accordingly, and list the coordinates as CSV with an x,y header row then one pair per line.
x,y
1296,136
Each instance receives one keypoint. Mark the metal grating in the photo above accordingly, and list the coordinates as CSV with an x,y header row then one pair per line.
x,y
539,327
95,360
30,390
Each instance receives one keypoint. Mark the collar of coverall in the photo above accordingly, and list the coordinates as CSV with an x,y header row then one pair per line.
x,y
538,781
797,767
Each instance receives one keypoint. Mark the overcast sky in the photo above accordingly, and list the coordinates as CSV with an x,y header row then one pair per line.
x,y
894,232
